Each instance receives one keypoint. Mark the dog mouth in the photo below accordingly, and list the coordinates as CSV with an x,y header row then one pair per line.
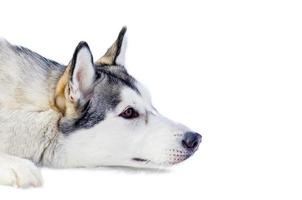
x,y
140,160
174,157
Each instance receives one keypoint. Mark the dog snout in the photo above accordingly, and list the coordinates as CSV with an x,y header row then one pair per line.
x,y
191,141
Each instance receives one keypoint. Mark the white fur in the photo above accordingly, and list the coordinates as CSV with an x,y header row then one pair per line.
x,y
115,141
17,71
29,126
18,172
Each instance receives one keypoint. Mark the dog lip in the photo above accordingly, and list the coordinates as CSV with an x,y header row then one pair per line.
x,y
139,159
179,159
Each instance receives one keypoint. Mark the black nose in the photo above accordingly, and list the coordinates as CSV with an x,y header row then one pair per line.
x,y
191,141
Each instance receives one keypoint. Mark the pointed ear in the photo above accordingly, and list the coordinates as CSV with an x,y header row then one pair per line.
x,y
82,72
76,84
115,55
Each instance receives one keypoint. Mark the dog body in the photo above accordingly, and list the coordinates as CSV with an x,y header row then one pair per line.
x,y
85,114
28,122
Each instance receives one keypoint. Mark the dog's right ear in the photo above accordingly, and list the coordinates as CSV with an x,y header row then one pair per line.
x,y
115,55
76,84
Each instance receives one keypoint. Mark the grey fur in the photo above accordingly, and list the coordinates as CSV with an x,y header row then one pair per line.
x,y
105,94
110,79
47,111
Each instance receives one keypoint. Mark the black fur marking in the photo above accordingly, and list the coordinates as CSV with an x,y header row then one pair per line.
x,y
94,114
114,77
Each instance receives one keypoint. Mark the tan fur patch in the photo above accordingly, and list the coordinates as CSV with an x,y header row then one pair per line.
x,y
108,58
63,103
60,91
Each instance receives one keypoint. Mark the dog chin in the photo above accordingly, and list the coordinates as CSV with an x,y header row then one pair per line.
x,y
155,165
172,160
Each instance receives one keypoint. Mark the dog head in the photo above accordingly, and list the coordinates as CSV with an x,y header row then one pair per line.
x,y
108,118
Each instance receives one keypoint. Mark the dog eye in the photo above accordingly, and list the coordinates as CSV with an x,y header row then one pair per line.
x,y
129,113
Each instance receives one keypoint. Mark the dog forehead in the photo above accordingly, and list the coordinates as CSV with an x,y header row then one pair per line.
x,y
115,83
139,96
129,95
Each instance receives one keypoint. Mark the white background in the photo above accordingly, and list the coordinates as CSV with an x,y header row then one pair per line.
x,y
230,70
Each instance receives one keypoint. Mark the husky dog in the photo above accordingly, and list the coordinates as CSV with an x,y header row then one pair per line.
x,y
85,114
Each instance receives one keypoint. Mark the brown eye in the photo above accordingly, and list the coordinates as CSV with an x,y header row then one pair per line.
x,y
129,113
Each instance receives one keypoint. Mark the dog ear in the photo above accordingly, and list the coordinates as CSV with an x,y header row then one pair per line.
x,y
76,84
82,72
115,55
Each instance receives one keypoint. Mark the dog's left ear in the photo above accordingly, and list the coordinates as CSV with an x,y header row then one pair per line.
x,y
115,55
75,86
82,72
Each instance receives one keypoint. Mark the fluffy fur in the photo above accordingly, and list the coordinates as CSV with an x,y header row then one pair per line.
x,y
70,116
